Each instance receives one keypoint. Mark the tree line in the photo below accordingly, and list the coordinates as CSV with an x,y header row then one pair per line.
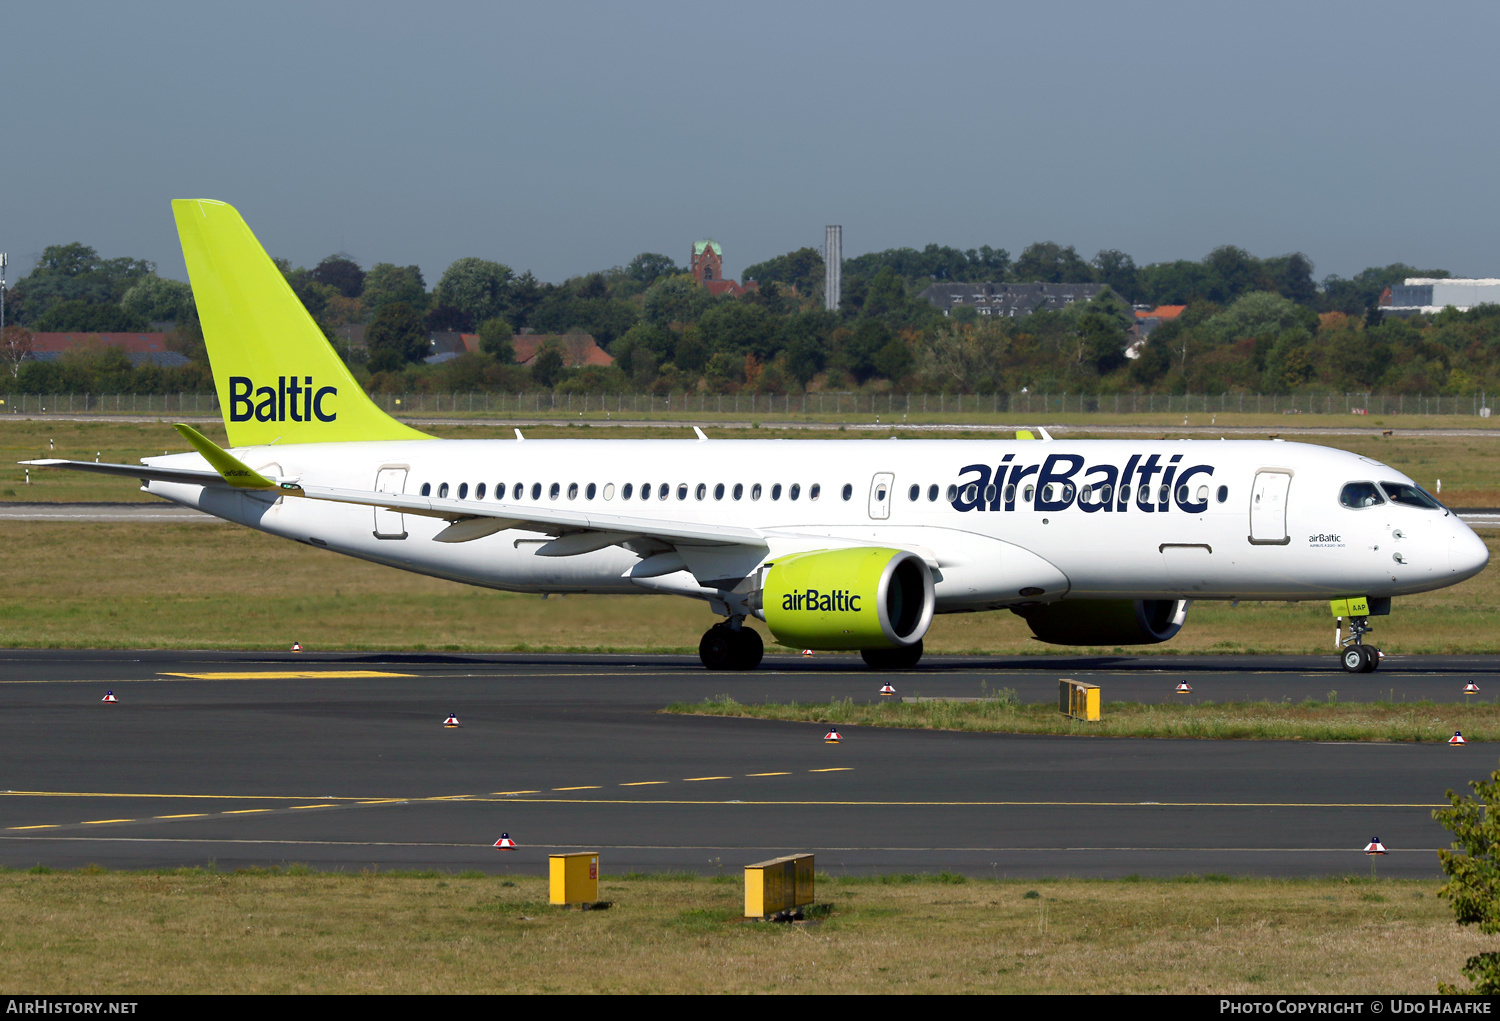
x,y
1250,324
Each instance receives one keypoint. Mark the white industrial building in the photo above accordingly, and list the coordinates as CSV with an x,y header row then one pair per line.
x,y
1429,295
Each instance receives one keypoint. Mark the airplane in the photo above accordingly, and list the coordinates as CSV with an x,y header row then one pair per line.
x,y
834,544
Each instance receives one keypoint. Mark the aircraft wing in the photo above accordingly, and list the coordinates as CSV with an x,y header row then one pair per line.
x,y
145,473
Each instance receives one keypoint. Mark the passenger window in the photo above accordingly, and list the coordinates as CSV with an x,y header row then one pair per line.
x,y
739,490
795,492
536,490
1125,494
553,491
952,493
971,493
479,491
1202,494
427,489
1105,493
776,491
1085,494
625,493
572,490
646,491
913,494
663,491
1010,493
932,493
1029,492
1359,495
719,491
989,493
1223,493
609,491
682,490
848,491
443,491
814,491
463,490
1182,494
698,493
1049,492
755,491
588,494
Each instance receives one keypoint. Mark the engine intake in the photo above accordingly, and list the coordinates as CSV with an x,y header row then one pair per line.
x,y
863,598
1106,621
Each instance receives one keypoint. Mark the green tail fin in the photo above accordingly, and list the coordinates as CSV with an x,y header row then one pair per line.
x,y
277,376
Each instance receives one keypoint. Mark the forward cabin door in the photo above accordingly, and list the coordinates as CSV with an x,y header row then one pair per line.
x,y
390,524
880,495
1268,508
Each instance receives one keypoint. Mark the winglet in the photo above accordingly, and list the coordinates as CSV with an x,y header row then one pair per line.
x,y
233,470
700,433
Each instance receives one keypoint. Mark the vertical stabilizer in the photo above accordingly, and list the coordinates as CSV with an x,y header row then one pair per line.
x,y
278,378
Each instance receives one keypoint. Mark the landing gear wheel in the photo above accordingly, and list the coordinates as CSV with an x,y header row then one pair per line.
x,y
724,648
893,659
1374,659
716,648
1359,659
748,649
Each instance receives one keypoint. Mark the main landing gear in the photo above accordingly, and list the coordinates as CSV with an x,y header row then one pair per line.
x,y
729,645
1357,657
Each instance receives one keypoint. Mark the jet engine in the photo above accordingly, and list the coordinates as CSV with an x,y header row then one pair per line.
x,y
862,598
1106,621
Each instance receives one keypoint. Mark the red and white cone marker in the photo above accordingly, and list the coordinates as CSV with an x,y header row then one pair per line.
x,y
806,652
832,737
886,689
1184,688
109,696
452,721
505,843
296,646
1471,688
1457,738
1374,846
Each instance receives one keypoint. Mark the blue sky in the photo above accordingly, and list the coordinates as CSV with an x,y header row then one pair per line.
x,y
569,136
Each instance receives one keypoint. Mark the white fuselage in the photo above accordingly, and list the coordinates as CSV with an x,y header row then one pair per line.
x,y
1221,519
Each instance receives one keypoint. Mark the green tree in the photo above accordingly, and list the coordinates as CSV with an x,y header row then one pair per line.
x,y
802,269
676,299
155,299
495,340
647,266
1118,271
1472,866
395,338
476,288
1050,263
386,283
1257,313
79,316
342,274
737,327
548,367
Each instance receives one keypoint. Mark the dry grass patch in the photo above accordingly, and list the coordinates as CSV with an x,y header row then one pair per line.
x,y
1266,721
181,932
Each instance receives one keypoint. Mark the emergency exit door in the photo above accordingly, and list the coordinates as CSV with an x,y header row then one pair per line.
x,y
1268,499
880,495
390,524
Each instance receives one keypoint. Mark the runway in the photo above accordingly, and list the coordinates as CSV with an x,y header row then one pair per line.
x,y
341,761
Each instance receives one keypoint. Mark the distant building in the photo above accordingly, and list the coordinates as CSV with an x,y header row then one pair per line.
x,y
833,267
578,349
1148,319
140,348
1429,295
708,269
1009,301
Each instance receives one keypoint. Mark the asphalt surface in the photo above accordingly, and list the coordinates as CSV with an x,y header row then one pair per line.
x,y
341,761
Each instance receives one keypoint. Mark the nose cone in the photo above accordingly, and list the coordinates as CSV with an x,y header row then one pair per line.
x,y
1467,553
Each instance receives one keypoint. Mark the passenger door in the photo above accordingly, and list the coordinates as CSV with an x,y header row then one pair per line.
x,y
1268,499
390,524
880,495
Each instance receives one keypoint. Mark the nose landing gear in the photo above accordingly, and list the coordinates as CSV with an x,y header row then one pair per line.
x,y
1357,657
729,645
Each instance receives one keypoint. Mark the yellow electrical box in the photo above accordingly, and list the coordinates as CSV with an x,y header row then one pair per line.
x,y
781,884
1078,700
1354,606
575,877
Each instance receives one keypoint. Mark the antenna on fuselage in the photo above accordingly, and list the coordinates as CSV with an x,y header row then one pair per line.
x,y
701,437
519,437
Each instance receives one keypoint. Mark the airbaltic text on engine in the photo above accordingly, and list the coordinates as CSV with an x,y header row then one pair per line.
x,y
299,400
1062,478
838,600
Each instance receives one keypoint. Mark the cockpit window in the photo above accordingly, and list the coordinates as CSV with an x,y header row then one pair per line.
x,y
1411,496
1361,494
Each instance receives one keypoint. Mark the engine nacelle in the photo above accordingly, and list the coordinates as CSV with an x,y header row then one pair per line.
x,y
1106,621
863,598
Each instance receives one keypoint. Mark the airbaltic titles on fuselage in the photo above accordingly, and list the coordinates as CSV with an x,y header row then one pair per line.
x,y
299,402
1062,481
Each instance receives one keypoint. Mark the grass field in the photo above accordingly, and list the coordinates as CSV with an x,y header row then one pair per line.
x,y
1469,467
208,932
1268,721
73,585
